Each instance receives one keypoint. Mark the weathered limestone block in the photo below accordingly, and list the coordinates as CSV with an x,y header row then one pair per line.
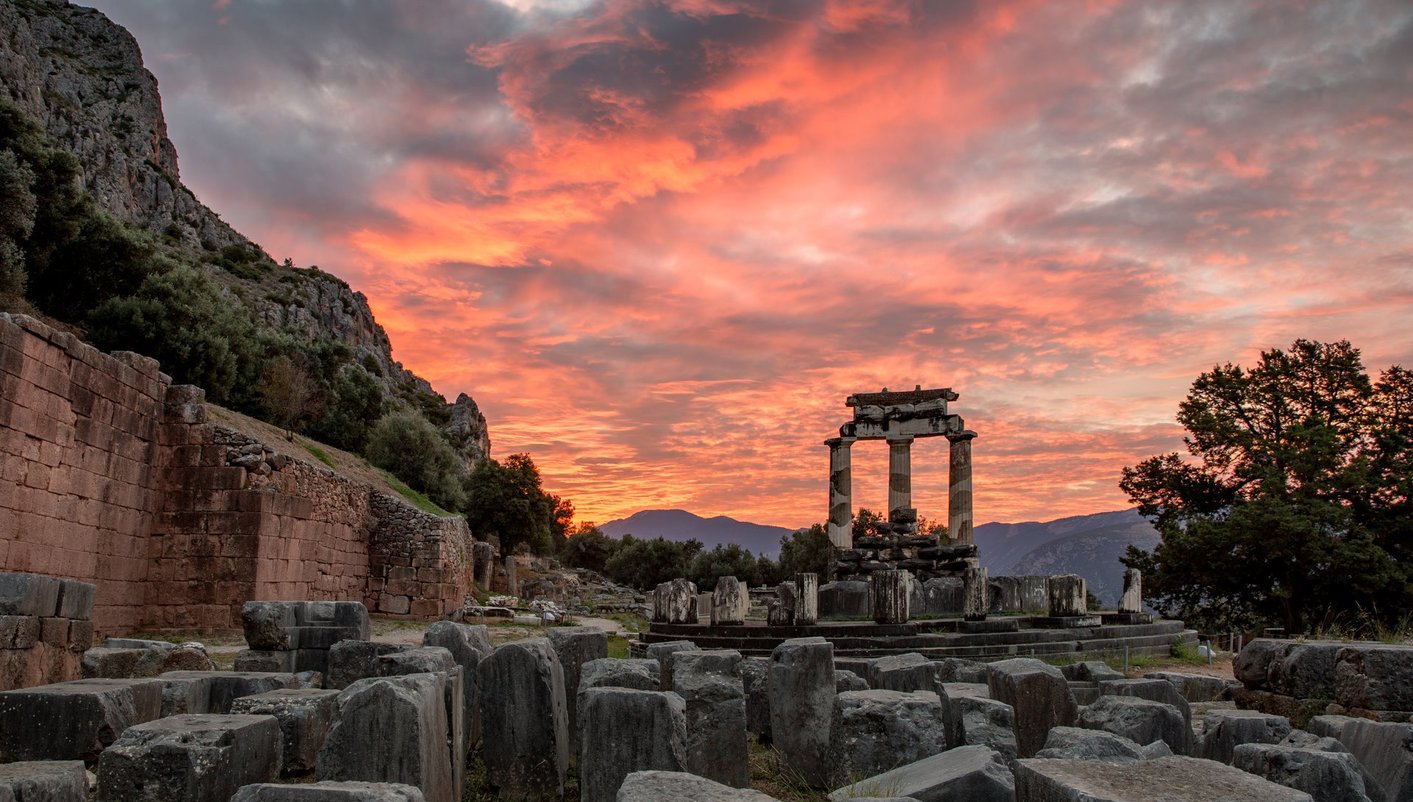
x,y
469,645
483,559
845,599
1224,730
675,602
971,773
1252,664
902,672
806,599
730,601
73,720
438,661
1132,599
1140,720
1078,743
1385,749
1374,677
43,781
891,601
523,712
329,792
709,682
875,731
780,611
216,691
960,669
353,660
304,715
267,624
1154,690
1325,776
625,730
976,593
942,596
391,729
801,688
662,653
1197,687
613,672
848,681
265,660
1170,779
29,595
971,717
576,646
1306,670
1068,596
190,758
660,786
103,662
755,683
1039,695
1005,594
1090,671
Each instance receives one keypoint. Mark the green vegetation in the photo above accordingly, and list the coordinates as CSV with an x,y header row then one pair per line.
x,y
1292,505
319,454
413,497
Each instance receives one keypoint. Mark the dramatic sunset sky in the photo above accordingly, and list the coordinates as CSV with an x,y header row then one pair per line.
x,y
659,243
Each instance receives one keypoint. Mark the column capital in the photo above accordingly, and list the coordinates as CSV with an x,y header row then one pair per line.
x,y
962,436
899,439
840,442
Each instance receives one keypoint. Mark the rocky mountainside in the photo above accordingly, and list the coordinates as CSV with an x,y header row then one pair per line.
x,y
680,525
1088,545
82,77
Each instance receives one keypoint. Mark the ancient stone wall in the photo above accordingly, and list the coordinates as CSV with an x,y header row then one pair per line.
x,y
112,475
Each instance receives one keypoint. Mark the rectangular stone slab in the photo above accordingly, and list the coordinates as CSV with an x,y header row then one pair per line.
x,y
73,720
44,781
1167,779
29,594
190,758
214,691
329,792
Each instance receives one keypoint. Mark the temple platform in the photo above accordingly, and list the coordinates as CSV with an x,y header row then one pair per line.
x,y
1019,636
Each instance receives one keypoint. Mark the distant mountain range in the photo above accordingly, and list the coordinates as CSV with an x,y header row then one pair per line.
x,y
1088,545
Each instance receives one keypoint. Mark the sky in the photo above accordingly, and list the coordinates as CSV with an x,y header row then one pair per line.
x,y
660,243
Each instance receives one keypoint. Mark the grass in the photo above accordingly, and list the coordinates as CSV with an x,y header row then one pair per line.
x,y
414,498
773,779
319,454
618,647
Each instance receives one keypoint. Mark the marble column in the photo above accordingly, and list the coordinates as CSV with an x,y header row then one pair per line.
x,y
959,513
900,474
841,500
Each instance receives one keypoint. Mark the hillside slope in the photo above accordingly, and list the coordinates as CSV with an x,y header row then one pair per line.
x,y
680,525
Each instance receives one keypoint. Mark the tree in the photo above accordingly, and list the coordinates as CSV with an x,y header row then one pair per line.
x,y
807,551
868,523
506,500
724,560
289,393
644,564
1292,502
409,447
588,547
354,402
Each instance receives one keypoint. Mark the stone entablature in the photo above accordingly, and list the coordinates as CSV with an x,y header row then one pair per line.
x,y
111,474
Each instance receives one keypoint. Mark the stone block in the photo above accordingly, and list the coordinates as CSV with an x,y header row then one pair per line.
x,y
1385,749
959,669
675,602
110,663
661,786
801,688
18,631
468,645
267,624
216,691
1224,730
1305,671
661,652
1169,779
1078,743
1140,720
844,599
625,730
942,596
329,792
755,683
73,720
875,731
892,602
29,594
709,682
190,758
730,602
971,773
44,781
391,729
1068,596
1039,695
438,661
971,717
321,637
352,660
304,716
1325,776
1197,687
1154,690
848,681
976,593
1374,677
613,672
1090,671
902,672
265,660
76,599
806,600
522,703
575,646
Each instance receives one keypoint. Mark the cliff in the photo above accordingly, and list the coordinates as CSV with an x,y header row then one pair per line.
x,y
82,77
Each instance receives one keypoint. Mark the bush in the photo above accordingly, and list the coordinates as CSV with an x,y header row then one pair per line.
x,y
410,448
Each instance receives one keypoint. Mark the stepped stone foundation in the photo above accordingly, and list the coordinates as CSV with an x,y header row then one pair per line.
x,y
112,475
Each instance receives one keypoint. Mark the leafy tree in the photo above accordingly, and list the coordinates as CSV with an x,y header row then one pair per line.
x,y
412,449
289,393
725,560
807,551
644,564
1292,503
868,523
506,500
588,547
354,401
17,208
